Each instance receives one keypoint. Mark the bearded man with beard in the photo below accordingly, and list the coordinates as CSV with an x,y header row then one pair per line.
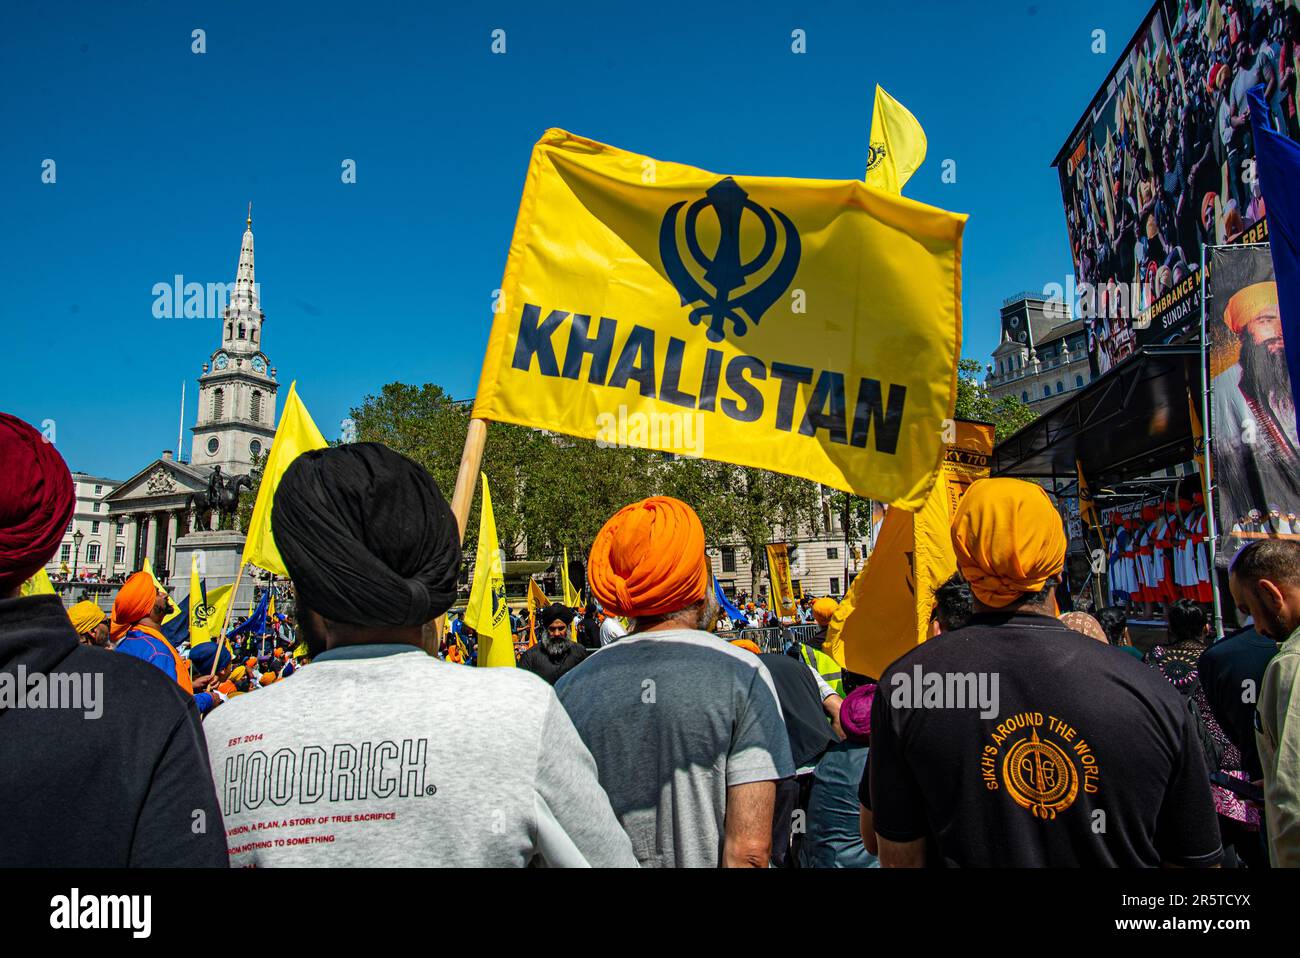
x,y
556,653
1254,412
685,729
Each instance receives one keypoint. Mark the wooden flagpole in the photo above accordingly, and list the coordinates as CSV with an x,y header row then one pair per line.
x,y
467,478
230,607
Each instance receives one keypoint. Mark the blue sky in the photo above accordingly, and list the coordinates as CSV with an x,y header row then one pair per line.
x,y
159,150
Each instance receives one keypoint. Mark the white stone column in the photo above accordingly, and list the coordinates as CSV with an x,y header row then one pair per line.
x,y
111,547
151,539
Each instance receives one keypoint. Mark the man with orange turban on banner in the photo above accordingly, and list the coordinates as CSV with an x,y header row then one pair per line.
x,y
1058,731
685,729
107,755
138,611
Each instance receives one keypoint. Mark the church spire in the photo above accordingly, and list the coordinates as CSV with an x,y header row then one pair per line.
x,y
245,294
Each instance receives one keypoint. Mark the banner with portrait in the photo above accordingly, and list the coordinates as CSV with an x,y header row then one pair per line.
x,y
1162,164
1253,441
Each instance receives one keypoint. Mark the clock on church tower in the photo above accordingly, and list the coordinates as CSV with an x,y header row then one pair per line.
x,y
236,417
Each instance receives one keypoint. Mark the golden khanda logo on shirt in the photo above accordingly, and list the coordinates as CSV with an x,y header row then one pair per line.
x,y
1041,762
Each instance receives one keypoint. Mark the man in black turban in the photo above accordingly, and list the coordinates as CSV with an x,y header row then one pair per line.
x,y
406,751
371,545
556,653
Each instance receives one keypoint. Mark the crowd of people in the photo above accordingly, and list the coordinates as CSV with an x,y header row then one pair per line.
x,y
1163,171
1018,734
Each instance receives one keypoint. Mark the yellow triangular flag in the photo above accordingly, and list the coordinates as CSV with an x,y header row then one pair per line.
x,y
572,598
295,435
38,584
148,567
536,600
487,613
897,144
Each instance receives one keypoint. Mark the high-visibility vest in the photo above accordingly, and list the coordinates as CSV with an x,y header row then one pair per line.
x,y
823,665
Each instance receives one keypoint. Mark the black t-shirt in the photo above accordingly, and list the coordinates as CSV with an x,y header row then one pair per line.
x,y
1090,758
1225,669
120,778
806,724
536,660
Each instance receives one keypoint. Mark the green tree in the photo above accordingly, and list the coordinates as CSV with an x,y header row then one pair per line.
x,y
1007,414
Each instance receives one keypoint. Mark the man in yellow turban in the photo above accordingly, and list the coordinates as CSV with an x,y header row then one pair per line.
x,y
1010,544
685,729
1002,743
91,624
1255,441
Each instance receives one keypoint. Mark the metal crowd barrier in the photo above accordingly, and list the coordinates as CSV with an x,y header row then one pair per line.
x,y
772,639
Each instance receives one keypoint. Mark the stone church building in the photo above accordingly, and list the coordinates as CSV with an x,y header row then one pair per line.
x,y
234,426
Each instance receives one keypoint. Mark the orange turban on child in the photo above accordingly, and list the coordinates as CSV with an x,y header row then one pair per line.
x,y
134,601
1008,539
748,645
649,559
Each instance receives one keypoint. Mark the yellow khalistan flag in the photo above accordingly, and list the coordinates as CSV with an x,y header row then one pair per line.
x,y
897,144
778,571
295,434
486,612
887,610
572,597
207,609
761,321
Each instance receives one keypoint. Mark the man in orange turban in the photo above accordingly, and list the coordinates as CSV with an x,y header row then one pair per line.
x,y
1255,441
648,561
685,729
1009,542
138,611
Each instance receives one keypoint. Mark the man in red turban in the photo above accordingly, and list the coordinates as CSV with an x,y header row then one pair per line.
x,y
36,502
685,729
82,721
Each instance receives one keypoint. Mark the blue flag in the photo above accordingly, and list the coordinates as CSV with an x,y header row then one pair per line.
x,y
732,612
256,623
177,628
1277,164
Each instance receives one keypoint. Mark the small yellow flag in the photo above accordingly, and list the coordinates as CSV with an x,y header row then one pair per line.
x,y
206,618
486,612
38,584
887,610
295,434
572,598
536,600
897,144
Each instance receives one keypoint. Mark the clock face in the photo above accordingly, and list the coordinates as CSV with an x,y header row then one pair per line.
x,y
259,364
255,448
221,362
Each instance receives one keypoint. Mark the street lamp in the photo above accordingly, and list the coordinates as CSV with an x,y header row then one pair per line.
x,y
76,550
